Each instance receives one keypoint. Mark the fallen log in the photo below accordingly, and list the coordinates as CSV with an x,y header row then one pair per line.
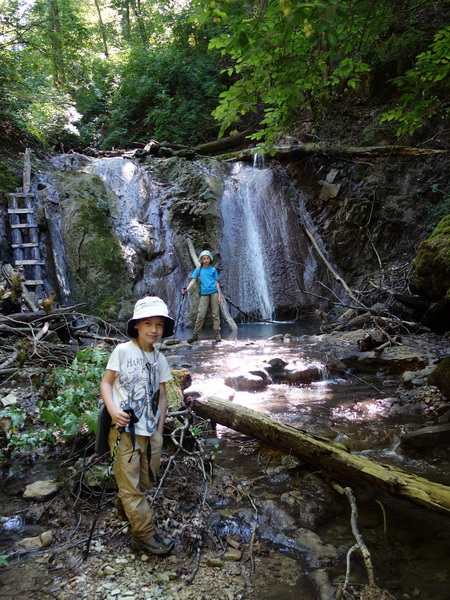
x,y
338,462
293,152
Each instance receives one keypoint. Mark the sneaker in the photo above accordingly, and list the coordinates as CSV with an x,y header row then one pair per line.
x,y
154,545
193,339
217,338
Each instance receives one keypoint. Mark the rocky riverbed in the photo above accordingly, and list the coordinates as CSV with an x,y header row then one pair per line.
x,y
247,521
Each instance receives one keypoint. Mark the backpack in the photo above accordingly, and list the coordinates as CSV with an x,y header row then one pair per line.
x,y
104,423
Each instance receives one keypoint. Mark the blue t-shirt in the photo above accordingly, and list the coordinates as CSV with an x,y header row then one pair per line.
x,y
208,278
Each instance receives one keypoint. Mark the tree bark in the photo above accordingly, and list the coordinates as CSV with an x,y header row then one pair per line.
x,y
223,144
57,50
297,151
335,460
102,28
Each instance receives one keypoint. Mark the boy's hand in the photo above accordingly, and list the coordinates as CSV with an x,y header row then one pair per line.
x,y
120,417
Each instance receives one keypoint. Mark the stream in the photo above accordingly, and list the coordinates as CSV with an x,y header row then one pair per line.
x,y
409,546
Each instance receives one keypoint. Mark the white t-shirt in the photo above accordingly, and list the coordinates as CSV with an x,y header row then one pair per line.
x,y
137,379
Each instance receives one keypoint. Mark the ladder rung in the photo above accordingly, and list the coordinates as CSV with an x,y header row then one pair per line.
x,y
21,195
29,262
24,226
33,282
27,245
20,211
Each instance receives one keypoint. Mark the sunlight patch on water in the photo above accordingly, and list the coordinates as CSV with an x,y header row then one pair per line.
x,y
365,410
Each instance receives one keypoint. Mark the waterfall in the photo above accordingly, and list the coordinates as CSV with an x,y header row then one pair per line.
x,y
253,216
267,260
242,248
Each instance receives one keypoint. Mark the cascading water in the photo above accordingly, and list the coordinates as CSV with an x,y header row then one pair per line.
x,y
242,246
269,267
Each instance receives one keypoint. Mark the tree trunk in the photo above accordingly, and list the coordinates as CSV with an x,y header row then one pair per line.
x,y
297,151
57,51
336,460
102,28
224,143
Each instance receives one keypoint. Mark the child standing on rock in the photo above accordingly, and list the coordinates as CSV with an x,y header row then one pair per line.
x,y
210,295
133,389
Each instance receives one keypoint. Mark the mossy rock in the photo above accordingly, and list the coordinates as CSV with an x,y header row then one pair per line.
x,y
440,377
432,264
96,262
174,388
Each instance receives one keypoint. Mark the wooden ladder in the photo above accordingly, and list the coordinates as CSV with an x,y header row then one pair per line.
x,y
25,233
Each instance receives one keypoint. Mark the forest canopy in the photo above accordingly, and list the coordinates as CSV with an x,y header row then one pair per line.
x,y
116,73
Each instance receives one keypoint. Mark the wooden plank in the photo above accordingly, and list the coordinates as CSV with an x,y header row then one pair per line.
x,y
29,261
27,245
24,226
31,282
21,195
20,211
26,171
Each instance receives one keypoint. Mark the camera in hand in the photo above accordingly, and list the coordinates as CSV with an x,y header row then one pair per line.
x,y
133,418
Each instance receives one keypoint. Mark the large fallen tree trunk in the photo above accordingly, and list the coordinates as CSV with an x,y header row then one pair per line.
x,y
320,453
296,151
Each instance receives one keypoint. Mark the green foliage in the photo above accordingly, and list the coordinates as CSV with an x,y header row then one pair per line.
x,y
51,117
432,263
164,94
290,61
215,452
8,181
21,436
113,73
3,560
68,404
75,405
425,88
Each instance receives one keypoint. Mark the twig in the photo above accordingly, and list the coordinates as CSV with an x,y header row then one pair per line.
x,y
360,544
190,579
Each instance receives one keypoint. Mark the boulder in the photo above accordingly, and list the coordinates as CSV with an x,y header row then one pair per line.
x,y
440,377
41,490
246,381
426,437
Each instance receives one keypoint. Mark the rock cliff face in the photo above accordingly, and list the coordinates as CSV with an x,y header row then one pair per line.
x,y
117,228
121,227
374,214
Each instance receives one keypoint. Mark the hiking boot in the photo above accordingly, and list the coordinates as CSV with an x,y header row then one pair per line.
x,y
217,338
154,545
193,339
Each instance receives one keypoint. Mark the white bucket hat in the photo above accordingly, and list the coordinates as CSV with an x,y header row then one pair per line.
x,y
150,306
205,253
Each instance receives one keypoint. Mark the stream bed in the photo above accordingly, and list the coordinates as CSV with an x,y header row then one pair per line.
x,y
409,546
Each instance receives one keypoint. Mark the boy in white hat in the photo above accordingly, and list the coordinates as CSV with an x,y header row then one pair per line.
x,y
210,294
135,376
